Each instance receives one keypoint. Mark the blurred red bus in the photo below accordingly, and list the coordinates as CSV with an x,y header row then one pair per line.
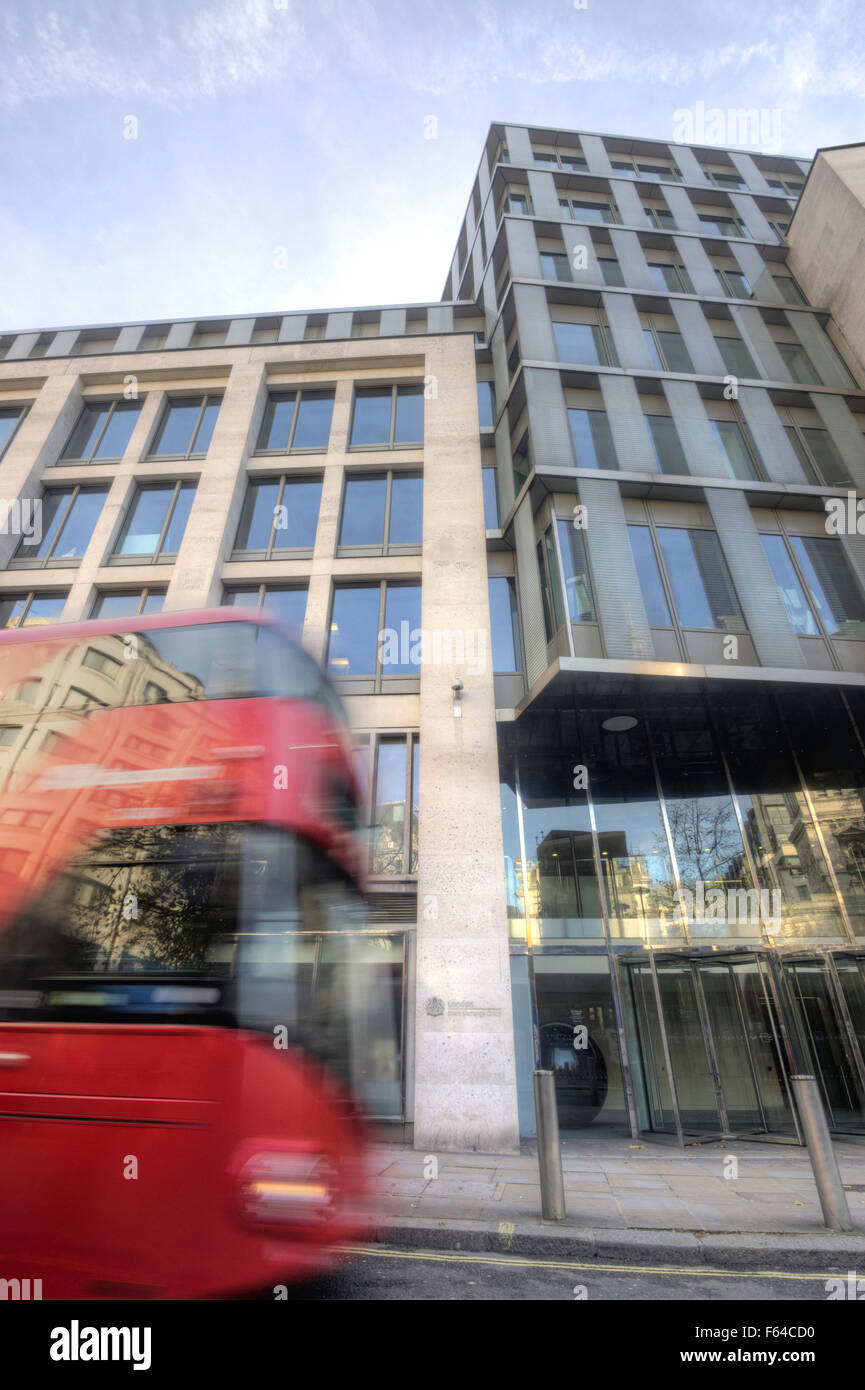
x,y
186,1026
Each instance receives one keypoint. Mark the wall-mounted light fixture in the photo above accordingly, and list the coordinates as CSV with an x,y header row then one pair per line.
x,y
457,689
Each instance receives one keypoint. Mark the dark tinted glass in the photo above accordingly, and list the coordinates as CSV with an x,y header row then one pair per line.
x,y
363,511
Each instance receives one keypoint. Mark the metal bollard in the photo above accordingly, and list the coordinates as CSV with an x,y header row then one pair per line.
x,y
830,1189
549,1148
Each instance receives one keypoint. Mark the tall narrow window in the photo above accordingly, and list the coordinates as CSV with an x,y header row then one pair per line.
x,y
798,363
504,623
486,405
575,565
10,419
697,572
592,439
666,444
649,575
734,450
790,589
834,590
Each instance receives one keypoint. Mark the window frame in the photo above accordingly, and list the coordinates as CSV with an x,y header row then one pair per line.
x,y
648,325
599,201
156,556
47,561
66,459
606,341
387,547
260,590
371,739
676,624
359,388
206,398
271,551
28,596
829,637
147,591
275,393
376,682
22,412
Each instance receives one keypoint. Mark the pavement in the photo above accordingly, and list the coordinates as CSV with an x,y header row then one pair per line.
x,y
650,1203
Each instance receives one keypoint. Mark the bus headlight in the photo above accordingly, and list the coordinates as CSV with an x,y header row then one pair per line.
x,y
278,1187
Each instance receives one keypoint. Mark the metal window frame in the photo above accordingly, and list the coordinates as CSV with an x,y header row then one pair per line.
x,y
207,398
678,626
22,410
297,392
260,590
47,561
28,596
387,546
156,556
271,551
516,626
589,622
750,447
789,536
91,457
143,595
377,678
410,738
368,386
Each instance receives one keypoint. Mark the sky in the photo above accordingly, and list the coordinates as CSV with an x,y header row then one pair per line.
x,y
186,158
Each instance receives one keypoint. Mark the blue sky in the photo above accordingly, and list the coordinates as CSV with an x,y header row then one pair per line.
x,y
300,124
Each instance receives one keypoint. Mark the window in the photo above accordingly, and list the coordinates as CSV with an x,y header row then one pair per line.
x,y
382,512
832,585
670,277
295,420
486,405
396,786
387,417
156,522
375,630
285,602
69,517
734,284
103,431
660,217
504,625
798,363
737,448
575,566
555,266
10,419
518,203
667,350
521,459
728,181
491,501
737,358
723,226
631,167
592,439
580,210
513,358
551,584
666,444
790,587
700,582
187,427
819,456
584,342
279,514
789,289
30,610
611,271
128,603
649,575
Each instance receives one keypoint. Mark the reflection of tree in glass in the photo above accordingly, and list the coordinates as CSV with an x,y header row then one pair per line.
x,y
707,840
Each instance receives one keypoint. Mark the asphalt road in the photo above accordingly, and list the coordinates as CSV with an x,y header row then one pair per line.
x,y
409,1275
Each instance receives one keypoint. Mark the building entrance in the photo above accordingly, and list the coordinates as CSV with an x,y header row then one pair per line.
x,y
713,1042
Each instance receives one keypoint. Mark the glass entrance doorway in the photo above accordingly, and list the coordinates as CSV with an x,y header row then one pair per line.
x,y
827,1002
706,1048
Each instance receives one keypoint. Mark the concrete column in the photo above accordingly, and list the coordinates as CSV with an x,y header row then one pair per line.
x,y
213,519
597,158
341,419
621,610
292,328
816,343
759,341
846,433
392,323
748,171
750,214
519,145
627,331
534,327
37,444
629,252
698,265
777,454
689,165
545,198
180,335
627,424
548,417
522,245
682,208
698,337
574,237
697,438
765,615
628,202
465,1094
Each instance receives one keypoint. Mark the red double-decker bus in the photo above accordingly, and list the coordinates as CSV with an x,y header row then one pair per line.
x,y
186,1024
